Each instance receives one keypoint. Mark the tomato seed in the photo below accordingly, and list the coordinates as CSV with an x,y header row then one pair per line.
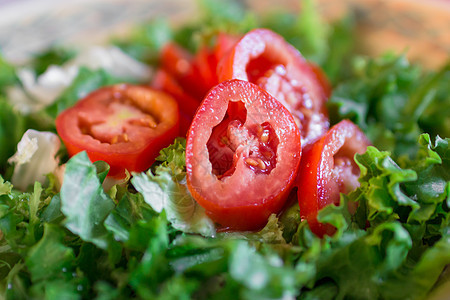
x,y
251,162
264,136
261,164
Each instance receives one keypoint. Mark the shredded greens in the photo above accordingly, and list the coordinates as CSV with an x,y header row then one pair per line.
x,y
148,239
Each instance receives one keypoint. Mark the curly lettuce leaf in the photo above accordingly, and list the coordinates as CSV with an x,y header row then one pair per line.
x,y
398,234
392,101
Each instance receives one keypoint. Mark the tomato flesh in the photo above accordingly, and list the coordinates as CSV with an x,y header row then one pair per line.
x,y
266,59
328,169
124,125
242,155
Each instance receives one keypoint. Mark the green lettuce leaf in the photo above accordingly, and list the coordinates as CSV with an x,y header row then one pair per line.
x,y
12,127
57,255
52,56
84,202
7,75
145,41
388,98
165,189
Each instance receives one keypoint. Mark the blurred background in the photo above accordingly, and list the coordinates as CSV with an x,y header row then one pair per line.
x,y
422,28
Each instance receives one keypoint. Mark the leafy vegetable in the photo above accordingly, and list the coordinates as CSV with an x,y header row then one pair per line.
x,y
84,203
7,75
166,189
145,41
12,126
52,56
389,98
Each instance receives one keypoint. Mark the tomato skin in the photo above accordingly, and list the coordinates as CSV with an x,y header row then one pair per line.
x,y
224,44
132,143
189,77
266,59
189,71
241,198
321,179
187,105
322,79
196,74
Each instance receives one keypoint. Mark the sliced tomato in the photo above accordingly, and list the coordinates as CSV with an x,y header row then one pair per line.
x,y
328,169
179,63
224,43
207,58
266,59
124,125
163,81
242,155
197,73
322,79
176,60
206,64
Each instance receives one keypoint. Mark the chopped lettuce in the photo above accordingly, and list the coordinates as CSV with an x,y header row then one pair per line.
x,y
7,75
53,56
146,238
165,188
392,101
12,127
145,42
84,202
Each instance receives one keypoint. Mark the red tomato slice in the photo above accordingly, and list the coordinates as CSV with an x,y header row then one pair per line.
x,y
207,58
196,74
205,62
242,155
124,125
266,59
328,169
165,82
176,60
224,44
322,79
179,63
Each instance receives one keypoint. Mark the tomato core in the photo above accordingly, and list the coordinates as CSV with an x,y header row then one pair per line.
x,y
231,140
113,125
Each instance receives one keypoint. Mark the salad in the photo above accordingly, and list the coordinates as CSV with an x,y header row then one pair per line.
x,y
184,163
